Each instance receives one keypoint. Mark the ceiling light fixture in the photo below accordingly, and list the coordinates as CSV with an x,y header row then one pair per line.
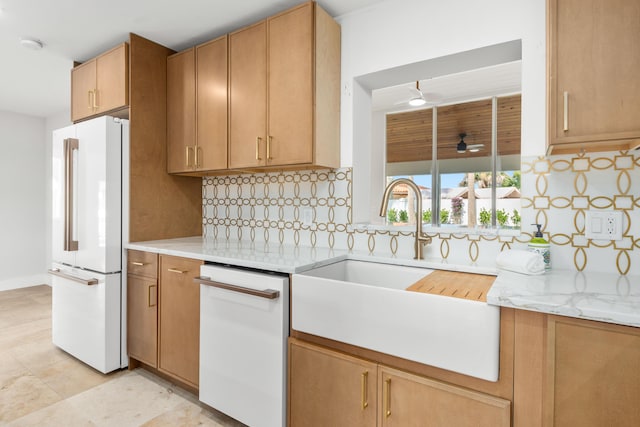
x,y
30,43
462,146
418,100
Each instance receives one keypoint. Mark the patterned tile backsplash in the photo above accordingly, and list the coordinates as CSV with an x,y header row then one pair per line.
x,y
314,208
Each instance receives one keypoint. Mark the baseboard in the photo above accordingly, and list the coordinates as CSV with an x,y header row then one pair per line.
x,y
24,282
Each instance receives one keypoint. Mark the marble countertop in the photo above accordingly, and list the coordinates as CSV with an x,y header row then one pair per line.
x,y
261,256
280,258
604,297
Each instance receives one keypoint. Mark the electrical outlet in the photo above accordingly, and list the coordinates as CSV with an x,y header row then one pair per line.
x,y
603,225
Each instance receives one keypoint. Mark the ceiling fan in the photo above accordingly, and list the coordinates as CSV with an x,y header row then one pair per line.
x,y
419,98
463,147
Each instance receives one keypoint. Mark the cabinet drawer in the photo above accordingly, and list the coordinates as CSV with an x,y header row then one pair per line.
x,y
142,264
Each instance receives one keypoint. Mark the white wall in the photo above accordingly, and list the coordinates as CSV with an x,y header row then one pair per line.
x,y
399,32
23,216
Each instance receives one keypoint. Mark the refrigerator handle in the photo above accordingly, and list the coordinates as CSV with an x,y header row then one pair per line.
x,y
88,282
70,144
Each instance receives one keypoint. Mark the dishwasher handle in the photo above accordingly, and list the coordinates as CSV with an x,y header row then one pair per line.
x,y
267,293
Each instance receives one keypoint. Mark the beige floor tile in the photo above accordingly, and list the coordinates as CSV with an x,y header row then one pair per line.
x,y
69,377
38,355
24,333
22,395
61,414
185,414
10,368
129,400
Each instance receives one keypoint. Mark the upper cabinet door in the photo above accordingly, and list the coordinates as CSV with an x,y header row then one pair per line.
x,y
211,111
291,106
112,79
248,96
181,104
594,90
101,85
83,84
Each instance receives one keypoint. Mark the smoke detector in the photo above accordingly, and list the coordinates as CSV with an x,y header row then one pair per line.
x,y
30,43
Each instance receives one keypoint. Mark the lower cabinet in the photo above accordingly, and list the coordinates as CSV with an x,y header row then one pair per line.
x,y
411,400
593,374
575,372
327,388
179,318
331,388
142,307
163,314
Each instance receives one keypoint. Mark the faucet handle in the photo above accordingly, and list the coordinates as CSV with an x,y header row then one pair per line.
x,y
424,239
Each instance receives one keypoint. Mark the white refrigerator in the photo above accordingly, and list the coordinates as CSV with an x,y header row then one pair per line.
x,y
88,295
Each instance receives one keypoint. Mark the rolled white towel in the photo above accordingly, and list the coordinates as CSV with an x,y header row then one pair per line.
x,y
520,261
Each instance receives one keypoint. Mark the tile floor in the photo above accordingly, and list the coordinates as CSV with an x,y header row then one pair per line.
x,y
40,385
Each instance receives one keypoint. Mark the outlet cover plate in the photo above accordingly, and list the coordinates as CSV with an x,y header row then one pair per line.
x,y
603,225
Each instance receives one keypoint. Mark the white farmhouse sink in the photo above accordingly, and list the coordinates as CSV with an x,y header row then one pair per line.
x,y
366,304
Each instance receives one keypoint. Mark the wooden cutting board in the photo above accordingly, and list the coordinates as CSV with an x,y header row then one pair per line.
x,y
455,284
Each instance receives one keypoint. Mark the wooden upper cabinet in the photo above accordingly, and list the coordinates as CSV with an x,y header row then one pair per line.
x,y
285,91
197,109
593,87
83,83
291,87
181,117
101,85
248,96
211,101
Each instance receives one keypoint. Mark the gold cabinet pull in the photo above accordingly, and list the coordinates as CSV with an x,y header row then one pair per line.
x,y
198,156
258,148
89,100
565,111
95,99
187,150
138,263
387,402
365,380
155,296
269,148
175,270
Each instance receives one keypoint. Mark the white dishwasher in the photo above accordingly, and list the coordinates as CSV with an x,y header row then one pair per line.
x,y
244,324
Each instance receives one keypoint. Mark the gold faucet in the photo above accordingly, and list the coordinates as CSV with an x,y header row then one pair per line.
x,y
421,238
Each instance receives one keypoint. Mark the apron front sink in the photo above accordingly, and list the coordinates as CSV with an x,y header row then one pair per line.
x,y
367,304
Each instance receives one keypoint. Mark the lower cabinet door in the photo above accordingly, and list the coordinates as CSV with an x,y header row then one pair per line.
x,y
142,319
327,388
409,400
179,318
593,373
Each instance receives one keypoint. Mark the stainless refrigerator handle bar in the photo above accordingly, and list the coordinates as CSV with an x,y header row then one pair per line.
x,y
70,144
88,282
267,293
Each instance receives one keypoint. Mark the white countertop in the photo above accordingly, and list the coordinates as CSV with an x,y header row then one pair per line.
x,y
261,256
604,297
280,258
